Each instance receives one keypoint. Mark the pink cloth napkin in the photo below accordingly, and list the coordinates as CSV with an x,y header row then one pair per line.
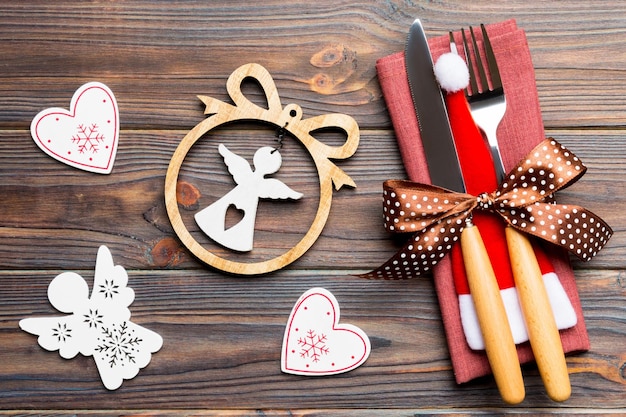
x,y
520,131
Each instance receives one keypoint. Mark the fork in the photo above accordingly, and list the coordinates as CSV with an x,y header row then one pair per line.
x,y
488,106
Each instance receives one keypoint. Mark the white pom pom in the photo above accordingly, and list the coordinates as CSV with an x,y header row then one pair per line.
x,y
451,72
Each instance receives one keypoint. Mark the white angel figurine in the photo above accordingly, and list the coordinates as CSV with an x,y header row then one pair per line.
x,y
97,326
251,186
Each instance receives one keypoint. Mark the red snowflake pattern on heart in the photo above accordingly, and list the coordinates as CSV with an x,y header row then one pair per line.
x,y
87,138
313,346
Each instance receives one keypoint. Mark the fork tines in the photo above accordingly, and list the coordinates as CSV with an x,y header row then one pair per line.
x,y
496,82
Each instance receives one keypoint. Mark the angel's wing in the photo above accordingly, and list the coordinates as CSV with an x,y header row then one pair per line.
x,y
62,333
238,167
273,188
110,295
122,350
68,292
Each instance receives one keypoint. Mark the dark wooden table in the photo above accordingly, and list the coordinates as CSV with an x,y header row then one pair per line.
x,y
222,334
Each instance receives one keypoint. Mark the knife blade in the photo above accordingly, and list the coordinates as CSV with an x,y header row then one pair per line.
x,y
432,117
445,171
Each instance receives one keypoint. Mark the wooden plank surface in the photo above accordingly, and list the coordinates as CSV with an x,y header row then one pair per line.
x,y
222,333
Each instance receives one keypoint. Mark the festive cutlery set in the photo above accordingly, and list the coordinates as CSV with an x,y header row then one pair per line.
x,y
445,171
444,137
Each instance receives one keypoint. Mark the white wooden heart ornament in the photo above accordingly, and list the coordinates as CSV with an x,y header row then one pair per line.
x,y
315,344
86,135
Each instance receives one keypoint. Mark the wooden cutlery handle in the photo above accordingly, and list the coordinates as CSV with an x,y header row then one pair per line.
x,y
494,325
543,333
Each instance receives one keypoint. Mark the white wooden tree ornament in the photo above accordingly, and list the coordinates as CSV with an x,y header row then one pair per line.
x,y
98,325
290,119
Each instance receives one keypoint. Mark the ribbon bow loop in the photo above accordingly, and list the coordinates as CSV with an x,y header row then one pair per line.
x,y
523,200
412,207
545,170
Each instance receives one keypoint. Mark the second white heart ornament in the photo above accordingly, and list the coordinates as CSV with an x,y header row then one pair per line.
x,y
315,344
86,136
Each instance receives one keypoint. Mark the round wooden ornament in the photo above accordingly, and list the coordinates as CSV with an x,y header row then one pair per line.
x,y
288,118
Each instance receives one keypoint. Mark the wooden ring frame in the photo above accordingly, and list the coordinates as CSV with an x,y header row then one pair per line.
x,y
289,118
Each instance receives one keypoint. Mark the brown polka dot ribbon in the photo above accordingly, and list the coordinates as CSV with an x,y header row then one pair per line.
x,y
524,200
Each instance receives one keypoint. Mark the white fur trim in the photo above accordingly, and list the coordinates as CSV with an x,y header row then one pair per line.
x,y
473,336
562,308
471,328
451,72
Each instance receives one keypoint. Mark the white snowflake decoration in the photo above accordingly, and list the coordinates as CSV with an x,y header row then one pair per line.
x,y
97,326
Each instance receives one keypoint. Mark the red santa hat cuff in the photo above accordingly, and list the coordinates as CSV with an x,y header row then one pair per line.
x,y
479,174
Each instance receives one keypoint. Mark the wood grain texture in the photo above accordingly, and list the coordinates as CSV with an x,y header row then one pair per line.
x,y
222,344
222,333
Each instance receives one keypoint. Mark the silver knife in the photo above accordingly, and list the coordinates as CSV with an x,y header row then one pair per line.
x,y
445,171
432,116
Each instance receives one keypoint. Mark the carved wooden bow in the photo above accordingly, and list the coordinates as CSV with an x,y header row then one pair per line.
x,y
289,118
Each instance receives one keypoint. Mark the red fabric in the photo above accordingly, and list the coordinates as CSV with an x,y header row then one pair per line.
x,y
480,176
520,130
542,259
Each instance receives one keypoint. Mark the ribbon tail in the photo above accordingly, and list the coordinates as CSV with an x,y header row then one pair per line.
x,y
340,178
391,269
215,106
423,251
